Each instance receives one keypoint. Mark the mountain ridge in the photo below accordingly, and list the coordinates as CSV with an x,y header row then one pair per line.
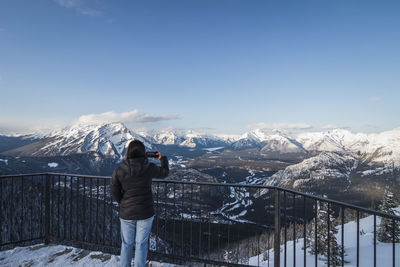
x,y
111,139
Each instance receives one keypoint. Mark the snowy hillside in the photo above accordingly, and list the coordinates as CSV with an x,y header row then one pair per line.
x,y
328,169
384,250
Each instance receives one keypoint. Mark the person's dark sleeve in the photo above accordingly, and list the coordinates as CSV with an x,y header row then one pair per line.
x,y
163,171
116,189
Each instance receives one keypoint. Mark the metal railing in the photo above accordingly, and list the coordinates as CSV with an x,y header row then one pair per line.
x,y
195,222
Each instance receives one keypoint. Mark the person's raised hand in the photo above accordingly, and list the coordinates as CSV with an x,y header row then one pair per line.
x,y
159,154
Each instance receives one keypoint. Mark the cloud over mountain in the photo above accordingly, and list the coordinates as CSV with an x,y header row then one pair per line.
x,y
126,117
280,126
334,126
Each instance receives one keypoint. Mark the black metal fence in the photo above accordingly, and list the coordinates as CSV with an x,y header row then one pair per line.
x,y
195,223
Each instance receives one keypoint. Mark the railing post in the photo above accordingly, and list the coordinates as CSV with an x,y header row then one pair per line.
x,y
47,210
277,232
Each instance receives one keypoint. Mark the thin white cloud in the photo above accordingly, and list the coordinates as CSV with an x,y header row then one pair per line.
x,y
280,126
23,127
334,126
90,12
83,7
375,99
133,116
68,3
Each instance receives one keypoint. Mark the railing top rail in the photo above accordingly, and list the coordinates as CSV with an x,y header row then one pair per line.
x,y
307,195
55,174
23,175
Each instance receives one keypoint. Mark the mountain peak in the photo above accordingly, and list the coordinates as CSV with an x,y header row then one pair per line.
x,y
108,139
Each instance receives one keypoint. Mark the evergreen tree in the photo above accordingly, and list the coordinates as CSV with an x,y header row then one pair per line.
x,y
321,246
385,230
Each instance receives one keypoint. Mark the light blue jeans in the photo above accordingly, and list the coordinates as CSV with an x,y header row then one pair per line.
x,y
135,233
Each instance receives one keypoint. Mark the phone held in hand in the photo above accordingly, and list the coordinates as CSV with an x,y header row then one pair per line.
x,y
152,154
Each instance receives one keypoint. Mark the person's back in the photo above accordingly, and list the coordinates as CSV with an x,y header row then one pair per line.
x,y
131,188
134,193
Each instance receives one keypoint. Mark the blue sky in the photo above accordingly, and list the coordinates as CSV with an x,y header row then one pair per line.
x,y
217,65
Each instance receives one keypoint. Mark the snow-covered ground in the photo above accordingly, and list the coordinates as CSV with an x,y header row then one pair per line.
x,y
57,255
212,149
383,250
52,164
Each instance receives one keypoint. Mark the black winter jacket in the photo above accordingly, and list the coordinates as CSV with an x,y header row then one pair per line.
x,y
131,187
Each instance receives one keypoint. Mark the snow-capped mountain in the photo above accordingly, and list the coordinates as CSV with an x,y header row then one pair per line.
x,y
282,143
336,140
380,148
251,139
109,140
324,141
383,147
167,137
269,142
190,139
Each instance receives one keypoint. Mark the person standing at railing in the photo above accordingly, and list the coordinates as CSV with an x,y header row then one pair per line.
x,y
131,188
